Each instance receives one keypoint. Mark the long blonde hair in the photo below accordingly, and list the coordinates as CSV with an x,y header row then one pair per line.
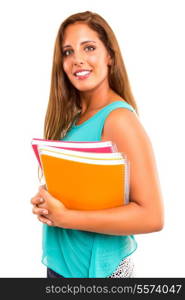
x,y
64,99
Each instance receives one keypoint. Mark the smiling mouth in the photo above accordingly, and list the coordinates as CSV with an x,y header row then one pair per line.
x,y
83,74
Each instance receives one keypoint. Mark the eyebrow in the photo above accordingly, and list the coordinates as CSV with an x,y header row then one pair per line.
x,y
84,42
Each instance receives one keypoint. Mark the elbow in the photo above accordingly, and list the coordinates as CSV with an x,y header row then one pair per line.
x,y
155,219
158,225
160,220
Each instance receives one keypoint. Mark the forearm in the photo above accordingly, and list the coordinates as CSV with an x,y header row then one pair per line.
x,y
126,220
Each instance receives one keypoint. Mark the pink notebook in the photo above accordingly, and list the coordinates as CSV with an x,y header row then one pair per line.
x,y
98,147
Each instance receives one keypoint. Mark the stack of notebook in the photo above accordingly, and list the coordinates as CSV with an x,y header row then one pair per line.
x,y
84,175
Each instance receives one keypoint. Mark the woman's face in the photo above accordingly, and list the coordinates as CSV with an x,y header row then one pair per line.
x,y
85,58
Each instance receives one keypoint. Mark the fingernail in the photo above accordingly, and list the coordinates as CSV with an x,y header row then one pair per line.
x,y
49,222
45,211
41,200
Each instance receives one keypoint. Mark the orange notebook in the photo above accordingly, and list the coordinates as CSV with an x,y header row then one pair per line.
x,y
85,181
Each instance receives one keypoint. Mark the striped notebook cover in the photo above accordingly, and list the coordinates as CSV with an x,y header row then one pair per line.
x,y
104,147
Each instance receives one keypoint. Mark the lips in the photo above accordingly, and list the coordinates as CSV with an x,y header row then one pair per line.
x,y
82,74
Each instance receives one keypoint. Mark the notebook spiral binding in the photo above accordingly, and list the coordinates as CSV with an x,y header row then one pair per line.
x,y
127,180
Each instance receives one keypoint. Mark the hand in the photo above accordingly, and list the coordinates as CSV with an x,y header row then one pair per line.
x,y
38,202
48,209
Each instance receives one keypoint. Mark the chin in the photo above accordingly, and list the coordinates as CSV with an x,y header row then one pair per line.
x,y
85,87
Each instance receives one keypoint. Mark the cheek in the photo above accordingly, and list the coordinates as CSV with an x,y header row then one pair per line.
x,y
66,66
93,60
98,61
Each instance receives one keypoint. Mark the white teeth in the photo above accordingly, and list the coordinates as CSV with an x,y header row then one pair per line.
x,y
83,73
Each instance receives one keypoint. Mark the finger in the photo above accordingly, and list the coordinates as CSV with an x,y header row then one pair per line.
x,y
36,195
39,211
37,200
45,194
42,205
43,186
44,220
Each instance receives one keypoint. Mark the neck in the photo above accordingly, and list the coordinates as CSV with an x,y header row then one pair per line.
x,y
97,98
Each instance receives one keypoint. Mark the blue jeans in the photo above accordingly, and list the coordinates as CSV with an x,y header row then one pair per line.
x,y
52,274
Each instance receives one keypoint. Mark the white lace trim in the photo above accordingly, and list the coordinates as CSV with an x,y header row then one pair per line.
x,y
124,270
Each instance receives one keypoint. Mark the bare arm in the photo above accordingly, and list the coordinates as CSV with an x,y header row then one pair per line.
x,y
145,211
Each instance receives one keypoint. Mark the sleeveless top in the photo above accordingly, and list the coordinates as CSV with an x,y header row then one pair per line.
x,y
83,254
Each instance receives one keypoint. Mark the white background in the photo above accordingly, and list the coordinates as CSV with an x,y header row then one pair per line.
x,y
151,37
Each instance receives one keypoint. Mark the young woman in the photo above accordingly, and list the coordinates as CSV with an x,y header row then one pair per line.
x,y
91,100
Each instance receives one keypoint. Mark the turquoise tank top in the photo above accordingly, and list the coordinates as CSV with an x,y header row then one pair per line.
x,y
83,254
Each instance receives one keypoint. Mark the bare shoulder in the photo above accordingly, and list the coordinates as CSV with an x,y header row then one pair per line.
x,y
124,128
123,123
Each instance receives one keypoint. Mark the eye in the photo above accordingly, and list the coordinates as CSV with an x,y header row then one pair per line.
x,y
90,48
67,52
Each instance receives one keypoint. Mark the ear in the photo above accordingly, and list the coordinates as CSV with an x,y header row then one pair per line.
x,y
109,60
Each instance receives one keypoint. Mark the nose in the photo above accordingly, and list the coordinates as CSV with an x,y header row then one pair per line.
x,y
78,59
